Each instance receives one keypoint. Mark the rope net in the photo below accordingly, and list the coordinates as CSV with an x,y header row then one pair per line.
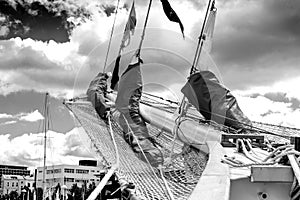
x,y
186,163
181,174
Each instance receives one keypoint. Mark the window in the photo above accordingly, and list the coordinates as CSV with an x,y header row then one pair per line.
x,y
49,171
66,179
82,171
57,171
92,170
28,184
69,170
12,184
40,171
17,184
8,184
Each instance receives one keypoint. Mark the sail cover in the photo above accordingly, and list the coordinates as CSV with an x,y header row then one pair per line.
x,y
96,94
128,102
214,101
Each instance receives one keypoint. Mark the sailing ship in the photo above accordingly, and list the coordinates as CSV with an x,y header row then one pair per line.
x,y
200,148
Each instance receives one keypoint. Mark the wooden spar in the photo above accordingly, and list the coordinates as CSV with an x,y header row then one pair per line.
x,y
191,132
111,34
45,141
198,49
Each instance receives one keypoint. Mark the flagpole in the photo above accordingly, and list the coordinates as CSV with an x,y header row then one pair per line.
x,y
111,34
144,31
198,50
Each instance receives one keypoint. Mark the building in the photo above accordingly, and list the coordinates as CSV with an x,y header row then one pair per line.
x,y
12,170
68,175
15,183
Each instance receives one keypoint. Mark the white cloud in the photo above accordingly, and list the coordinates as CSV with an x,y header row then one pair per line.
x,y
3,30
5,115
29,117
10,122
62,148
262,109
32,117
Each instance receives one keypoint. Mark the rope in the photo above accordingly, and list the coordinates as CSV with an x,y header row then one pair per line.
x,y
166,184
144,31
111,34
114,141
246,165
140,146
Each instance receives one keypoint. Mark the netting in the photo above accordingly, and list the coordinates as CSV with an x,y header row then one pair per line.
x,y
187,163
181,174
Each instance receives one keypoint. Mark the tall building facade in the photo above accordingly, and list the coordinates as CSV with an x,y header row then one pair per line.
x,y
12,170
68,175
11,183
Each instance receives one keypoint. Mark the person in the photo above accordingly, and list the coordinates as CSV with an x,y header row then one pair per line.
x,y
96,94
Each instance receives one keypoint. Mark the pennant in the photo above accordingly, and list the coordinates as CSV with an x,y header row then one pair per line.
x,y
209,28
129,28
115,74
171,14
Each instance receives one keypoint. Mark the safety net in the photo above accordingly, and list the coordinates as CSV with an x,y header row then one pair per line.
x,y
180,175
176,180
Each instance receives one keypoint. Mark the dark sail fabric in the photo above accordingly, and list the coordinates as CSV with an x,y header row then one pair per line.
x,y
115,74
96,94
171,14
128,103
214,101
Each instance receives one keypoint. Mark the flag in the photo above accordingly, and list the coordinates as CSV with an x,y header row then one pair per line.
x,y
209,28
129,29
171,14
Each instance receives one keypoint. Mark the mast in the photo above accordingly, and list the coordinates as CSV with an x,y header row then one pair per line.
x,y
45,140
111,34
144,30
200,41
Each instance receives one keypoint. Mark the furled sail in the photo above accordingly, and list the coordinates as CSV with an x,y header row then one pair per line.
x,y
134,126
96,94
214,101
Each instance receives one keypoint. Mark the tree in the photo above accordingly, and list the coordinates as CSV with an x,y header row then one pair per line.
x,y
39,193
76,192
13,195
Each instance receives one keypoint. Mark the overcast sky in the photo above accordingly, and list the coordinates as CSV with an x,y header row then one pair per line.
x,y
60,46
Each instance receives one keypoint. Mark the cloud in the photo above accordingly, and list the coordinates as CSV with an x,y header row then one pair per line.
x,y
254,42
27,149
29,117
42,20
4,115
274,105
32,117
9,122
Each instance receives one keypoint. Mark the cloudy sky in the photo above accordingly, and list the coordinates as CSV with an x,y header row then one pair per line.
x,y
58,46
